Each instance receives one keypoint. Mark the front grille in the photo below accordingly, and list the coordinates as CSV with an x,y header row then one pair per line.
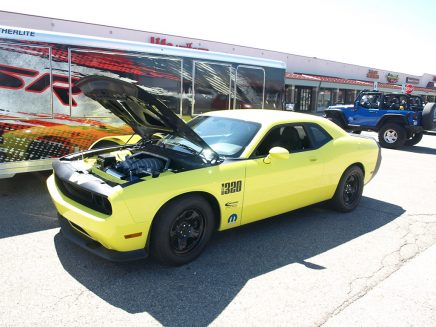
x,y
87,198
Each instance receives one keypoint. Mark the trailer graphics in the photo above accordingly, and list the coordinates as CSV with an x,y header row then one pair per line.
x,y
44,115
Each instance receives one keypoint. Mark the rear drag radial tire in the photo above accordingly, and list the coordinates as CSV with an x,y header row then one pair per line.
x,y
349,190
415,139
392,129
188,215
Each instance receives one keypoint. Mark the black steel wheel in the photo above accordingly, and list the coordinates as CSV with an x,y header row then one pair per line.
x,y
181,230
349,190
187,230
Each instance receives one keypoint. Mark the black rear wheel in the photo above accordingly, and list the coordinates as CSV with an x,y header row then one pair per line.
x,y
182,230
349,190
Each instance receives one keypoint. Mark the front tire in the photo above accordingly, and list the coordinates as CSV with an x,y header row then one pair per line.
x,y
415,139
182,230
349,190
392,136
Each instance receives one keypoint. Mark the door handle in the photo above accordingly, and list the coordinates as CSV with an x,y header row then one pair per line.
x,y
313,159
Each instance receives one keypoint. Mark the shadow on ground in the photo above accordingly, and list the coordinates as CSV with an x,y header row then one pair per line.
x,y
197,293
26,206
418,149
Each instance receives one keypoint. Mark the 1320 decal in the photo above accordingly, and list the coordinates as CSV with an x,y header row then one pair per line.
x,y
231,187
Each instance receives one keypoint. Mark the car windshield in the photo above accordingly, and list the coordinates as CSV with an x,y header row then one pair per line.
x,y
226,136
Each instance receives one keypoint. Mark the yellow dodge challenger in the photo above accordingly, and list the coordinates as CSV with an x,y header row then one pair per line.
x,y
166,196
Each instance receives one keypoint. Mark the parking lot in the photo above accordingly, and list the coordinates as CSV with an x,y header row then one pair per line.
x,y
306,268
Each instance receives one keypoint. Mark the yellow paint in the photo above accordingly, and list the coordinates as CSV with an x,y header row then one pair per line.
x,y
282,183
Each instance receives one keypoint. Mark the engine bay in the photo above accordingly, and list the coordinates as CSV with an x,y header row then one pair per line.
x,y
133,166
144,160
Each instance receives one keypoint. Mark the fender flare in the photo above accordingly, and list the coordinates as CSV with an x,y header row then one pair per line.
x,y
392,118
336,114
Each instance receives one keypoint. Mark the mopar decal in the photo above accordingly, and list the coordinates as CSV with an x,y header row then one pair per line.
x,y
232,218
231,187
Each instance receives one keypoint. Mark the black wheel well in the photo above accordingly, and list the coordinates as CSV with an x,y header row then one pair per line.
x,y
357,164
207,196
398,119
336,114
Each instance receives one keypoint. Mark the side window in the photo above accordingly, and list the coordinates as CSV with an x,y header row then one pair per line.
x,y
293,138
319,135
391,102
370,101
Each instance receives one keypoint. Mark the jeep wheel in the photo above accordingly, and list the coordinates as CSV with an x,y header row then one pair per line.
x,y
349,190
415,139
392,136
182,230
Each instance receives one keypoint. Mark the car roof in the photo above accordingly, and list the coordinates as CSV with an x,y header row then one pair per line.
x,y
269,118
265,117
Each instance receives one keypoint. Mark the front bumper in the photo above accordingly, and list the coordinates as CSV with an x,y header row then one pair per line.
x,y
103,235
87,243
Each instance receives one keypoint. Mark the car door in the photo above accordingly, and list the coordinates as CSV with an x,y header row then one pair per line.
x,y
366,111
283,184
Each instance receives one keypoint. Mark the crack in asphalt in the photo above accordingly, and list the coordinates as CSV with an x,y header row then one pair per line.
x,y
408,249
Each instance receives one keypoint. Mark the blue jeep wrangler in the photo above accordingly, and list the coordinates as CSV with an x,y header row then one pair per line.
x,y
399,119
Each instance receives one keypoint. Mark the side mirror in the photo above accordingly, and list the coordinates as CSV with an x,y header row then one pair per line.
x,y
276,153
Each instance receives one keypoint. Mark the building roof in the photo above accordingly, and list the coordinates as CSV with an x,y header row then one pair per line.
x,y
338,80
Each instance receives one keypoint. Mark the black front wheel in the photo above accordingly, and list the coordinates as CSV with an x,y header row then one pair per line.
x,y
349,190
182,230
415,139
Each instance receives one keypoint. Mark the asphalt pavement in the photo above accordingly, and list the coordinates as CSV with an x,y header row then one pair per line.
x,y
374,266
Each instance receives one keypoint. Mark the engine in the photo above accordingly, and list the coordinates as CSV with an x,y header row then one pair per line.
x,y
133,166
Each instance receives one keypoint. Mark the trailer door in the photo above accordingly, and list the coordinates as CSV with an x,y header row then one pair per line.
x,y
211,87
249,87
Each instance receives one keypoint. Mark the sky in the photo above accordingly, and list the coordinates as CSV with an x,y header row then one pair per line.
x,y
396,35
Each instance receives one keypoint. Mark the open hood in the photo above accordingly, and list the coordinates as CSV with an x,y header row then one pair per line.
x,y
141,110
